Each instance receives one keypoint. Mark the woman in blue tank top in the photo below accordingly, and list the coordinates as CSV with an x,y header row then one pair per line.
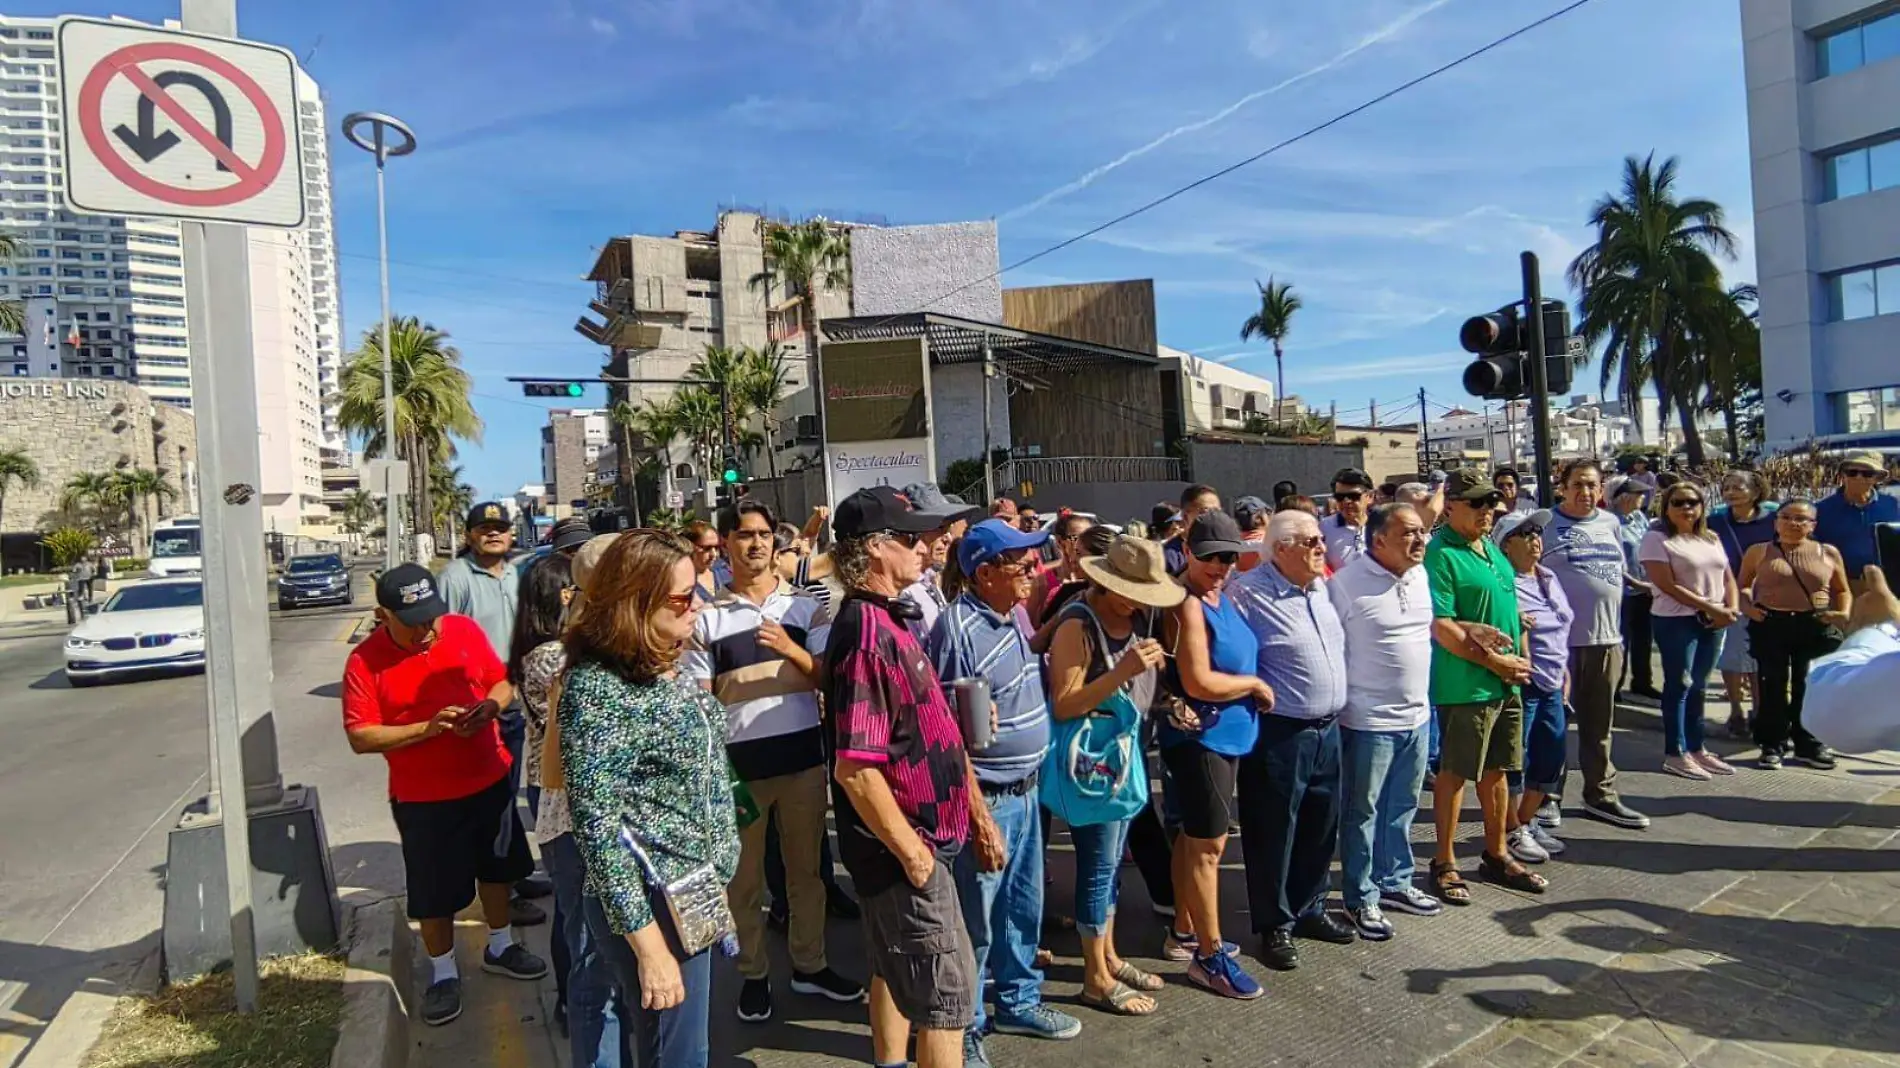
x,y
1215,656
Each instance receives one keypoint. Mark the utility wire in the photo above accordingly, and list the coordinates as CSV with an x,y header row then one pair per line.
x,y
1263,154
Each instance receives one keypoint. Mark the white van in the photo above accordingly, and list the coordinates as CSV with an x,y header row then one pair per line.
x,y
177,547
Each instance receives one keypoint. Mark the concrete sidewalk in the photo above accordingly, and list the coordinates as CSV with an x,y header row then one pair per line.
x,y
1754,923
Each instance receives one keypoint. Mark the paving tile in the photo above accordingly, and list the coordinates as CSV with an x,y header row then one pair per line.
x,y
1739,1055
1565,1036
1523,1053
1670,1039
1623,1053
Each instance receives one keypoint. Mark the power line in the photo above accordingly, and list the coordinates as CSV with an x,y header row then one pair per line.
x,y
1258,156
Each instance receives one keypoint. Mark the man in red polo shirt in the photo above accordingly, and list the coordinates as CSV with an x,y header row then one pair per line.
x,y
425,690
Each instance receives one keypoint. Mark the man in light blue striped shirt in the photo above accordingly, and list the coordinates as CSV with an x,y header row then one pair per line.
x,y
977,636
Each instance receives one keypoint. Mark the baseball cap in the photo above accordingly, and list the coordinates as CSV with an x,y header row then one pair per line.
x,y
570,534
878,509
1249,511
1467,485
992,538
408,592
1352,476
1216,532
1518,523
486,512
929,500
1619,487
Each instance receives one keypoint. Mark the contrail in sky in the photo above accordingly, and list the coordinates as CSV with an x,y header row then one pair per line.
x,y
1383,33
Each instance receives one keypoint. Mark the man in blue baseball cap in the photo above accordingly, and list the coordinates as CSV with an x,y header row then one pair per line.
x,y
978,636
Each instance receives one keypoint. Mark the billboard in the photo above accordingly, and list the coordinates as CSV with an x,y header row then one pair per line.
x,y
875,391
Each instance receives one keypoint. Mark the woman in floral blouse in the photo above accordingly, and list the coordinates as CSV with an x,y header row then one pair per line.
x,y
643,750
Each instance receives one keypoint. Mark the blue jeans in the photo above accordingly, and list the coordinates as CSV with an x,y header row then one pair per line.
x,y
1098,856
1689,650
1545,751
1381,774
593,1013
1003,909
670,1038
1438,740
1289,819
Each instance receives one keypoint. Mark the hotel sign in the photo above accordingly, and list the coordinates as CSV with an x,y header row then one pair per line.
x,y
874,391
55,389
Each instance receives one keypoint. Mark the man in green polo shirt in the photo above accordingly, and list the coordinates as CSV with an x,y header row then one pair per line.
x,y
1477,666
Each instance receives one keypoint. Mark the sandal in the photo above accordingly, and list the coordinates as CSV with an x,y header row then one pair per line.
x,y
1140,980
1449,885
1511,874
1116,1001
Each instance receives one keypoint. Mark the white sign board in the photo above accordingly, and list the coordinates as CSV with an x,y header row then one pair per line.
x,y
863,464
676,500
180,125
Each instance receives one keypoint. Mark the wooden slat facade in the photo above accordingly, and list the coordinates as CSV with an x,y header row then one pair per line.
x,y
1110,409
1121,314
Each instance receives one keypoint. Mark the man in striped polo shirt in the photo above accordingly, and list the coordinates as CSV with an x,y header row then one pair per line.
x,y
755,646
978,636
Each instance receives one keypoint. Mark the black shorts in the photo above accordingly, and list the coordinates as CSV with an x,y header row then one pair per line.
x,y
1203,785
919,947
449,846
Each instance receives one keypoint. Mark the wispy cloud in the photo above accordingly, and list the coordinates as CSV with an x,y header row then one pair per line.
x,y
1387,368
602,27
1378,36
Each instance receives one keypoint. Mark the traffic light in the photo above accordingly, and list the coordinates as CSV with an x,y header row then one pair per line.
x,y
730,472
567,390
1499,342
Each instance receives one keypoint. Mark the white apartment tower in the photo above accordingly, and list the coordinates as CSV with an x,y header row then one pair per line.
x,y
104,295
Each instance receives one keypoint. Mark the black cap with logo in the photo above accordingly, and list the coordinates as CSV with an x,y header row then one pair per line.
x,y
487,513
877,509
408,592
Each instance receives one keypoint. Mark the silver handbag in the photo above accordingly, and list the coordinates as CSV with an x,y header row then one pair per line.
x,y
695,902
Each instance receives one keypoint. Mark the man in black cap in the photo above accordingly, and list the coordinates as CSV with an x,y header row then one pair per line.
x,y
425,691
906,799
1345,529
482,584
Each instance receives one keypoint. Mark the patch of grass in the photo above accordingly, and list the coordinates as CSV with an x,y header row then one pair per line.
x,y
196,1024
49,581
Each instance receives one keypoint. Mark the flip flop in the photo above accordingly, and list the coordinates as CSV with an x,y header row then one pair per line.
x,y
1117,1000
1138,979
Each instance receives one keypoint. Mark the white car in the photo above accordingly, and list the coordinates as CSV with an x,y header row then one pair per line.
x,y
158,624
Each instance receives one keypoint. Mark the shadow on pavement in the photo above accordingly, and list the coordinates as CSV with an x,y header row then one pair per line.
x,y
1757,979
1776,812
49,975
1679,858
328,689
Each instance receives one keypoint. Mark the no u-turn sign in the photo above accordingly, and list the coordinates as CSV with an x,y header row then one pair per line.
x,y
166,123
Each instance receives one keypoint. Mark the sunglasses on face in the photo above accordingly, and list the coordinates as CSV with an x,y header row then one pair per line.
x,y
908,541
1310,541
1686,502
1223,559
1349,495
681,603
1859,472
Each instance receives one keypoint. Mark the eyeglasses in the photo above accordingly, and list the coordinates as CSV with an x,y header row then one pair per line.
x,y
1858,472
908,541
1349,495
1798,520
681,603
1017,568
1686,502
1311,541
1223,559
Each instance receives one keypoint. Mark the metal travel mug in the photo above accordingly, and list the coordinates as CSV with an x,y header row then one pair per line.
x,y
973,706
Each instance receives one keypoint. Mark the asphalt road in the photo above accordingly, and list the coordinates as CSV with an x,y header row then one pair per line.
x,y
92,780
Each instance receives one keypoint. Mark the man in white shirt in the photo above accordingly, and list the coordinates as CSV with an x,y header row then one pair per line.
x,y
1345,529
1385,604
1850,703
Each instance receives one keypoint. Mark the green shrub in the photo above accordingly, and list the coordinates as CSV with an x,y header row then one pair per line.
x,y
68,545
129,563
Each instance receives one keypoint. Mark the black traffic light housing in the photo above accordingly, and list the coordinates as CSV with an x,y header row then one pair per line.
x,y
731,473
1502,342
568,390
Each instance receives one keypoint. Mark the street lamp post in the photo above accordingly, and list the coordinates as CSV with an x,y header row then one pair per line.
x,y
379,144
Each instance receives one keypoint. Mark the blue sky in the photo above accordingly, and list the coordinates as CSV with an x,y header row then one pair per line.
x,y
548,126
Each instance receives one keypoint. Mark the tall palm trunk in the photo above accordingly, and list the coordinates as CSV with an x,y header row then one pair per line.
x,y
817,375
1279,383
1732,424
1691,435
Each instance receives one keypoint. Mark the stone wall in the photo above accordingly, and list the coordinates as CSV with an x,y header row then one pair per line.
x,y
72,426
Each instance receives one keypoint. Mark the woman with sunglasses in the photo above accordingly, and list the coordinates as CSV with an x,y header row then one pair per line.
x,y
1695,600
1794,595
643,753
1216,656
710,573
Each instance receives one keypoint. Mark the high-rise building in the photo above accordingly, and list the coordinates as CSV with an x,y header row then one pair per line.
x,y
1823,82
104,295
575,452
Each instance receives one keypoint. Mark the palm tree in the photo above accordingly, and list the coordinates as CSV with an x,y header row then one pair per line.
x,y
90,490
451,497
763,383
1278,302
136,485
1650,286
12,312
1731,361
15,466
359,511
432,403
806,257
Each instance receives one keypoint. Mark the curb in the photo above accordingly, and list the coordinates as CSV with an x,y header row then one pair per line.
x,y
373,1031
76,1028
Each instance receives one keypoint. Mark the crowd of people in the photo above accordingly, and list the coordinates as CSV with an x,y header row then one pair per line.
x,y
949,683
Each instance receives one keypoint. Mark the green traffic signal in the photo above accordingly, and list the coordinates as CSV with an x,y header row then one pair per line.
x,y
730,476
574,389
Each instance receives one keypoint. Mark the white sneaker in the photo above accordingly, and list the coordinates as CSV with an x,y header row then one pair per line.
x,y
1685,767
1525,848
1548,842
1711,763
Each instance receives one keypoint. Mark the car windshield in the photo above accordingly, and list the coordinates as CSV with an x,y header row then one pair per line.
x,y
178,541
310,565
144,598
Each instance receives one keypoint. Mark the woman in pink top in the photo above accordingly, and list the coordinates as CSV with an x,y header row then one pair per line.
x,y
1695,599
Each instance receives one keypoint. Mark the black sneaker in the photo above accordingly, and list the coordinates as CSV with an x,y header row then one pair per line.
x,y
755,1000
827,984
1617,814
525,913
1770,759
442,1002
515,962
1819,757
1279,952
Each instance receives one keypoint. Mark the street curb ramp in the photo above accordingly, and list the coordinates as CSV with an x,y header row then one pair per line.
x,y
373,1031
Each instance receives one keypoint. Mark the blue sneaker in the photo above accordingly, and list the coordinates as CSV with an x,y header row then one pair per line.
x,y
974,1055
1223,975
1184,946
1039,1022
